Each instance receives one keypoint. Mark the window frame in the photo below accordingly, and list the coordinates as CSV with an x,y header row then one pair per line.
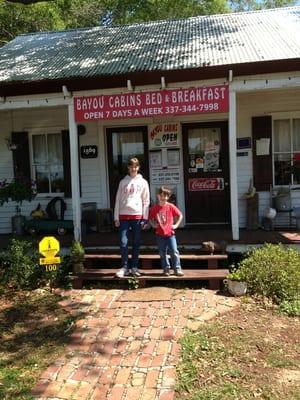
x,y
43,131
283,116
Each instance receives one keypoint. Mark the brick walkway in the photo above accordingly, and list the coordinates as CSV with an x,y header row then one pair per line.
x,y
126,350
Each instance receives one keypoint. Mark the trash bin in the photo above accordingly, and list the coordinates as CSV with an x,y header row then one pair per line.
x,y
282,202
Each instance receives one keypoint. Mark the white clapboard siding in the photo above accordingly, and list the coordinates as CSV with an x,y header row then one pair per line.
x,y
244,173
258,104
26,120
93,171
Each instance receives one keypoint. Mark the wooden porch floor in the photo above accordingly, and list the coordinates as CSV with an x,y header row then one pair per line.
x,y
185,237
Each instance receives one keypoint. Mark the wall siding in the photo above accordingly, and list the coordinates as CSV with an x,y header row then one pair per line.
x,y
26,120
94,174
255,104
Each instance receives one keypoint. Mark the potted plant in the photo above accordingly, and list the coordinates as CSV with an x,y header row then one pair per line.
x,y
18,190
77,256
235,284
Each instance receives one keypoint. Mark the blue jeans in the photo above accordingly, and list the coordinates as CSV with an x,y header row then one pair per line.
x,y
133,225
168,243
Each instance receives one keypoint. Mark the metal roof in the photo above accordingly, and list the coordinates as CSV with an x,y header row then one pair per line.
x,y
214,40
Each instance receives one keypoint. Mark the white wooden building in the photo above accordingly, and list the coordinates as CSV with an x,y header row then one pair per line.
x,y
207,104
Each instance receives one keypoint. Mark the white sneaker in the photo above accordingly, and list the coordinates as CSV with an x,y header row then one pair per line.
x,y
123,272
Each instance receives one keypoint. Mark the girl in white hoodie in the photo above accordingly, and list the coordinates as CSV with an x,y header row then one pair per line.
x,y
131,213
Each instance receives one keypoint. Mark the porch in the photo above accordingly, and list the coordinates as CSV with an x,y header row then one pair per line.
x,y
187,238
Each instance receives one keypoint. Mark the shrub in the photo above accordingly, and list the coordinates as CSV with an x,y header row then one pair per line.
x,y
272,271
20,269
77,256
291,308
19,265
17,190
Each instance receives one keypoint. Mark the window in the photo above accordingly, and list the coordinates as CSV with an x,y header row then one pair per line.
x,y
47,162
204,146
286,151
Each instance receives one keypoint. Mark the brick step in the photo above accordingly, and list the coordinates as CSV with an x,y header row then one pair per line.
x,y
214,276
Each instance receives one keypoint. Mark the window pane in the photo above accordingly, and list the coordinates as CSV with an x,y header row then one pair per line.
x,y
54,149
282,137
48,162
296,135
204,149
282,163
42,180
125,146
57,179
39,149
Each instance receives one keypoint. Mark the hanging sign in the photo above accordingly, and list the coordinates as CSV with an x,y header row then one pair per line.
x,y
205,184
164,135
198,100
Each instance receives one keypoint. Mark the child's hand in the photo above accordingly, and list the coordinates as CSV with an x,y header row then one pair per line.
x,y
154,224
117,224
144,223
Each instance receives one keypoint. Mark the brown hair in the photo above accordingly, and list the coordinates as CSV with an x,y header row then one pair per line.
x,y
133,162
165,190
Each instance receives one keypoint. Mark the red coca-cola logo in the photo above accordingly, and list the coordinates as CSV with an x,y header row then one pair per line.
x,y
198,184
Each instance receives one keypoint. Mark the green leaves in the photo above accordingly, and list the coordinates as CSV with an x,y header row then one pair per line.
x,y
272,271
24,16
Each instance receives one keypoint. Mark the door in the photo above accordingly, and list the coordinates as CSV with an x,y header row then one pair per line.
x,y
122,145
206,173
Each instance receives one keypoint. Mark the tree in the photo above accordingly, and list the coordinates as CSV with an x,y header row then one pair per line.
x,y
16,19
249,5
23,16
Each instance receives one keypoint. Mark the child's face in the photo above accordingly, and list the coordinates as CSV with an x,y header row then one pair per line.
x,y
162,197
133,170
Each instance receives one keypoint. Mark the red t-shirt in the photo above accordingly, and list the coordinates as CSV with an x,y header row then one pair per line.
x,y
164,216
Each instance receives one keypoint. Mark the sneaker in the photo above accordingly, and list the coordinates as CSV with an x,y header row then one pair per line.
x,y
122,272
179,272
166,272
136,273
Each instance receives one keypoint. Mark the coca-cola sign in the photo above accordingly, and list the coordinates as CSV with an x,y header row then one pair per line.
x,y
205,184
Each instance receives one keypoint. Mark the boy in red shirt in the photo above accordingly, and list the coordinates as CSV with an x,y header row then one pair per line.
x,y
164,217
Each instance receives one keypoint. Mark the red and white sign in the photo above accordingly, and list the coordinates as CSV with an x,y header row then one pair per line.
x,y
198,100
164,135
205,184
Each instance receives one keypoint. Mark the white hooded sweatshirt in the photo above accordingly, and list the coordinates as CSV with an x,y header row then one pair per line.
x,y
132,198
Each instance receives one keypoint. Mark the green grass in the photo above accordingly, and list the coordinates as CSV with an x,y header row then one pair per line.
x,y
241,356
34,331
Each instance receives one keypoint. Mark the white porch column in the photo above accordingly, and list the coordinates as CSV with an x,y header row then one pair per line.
x,y
76,205
233,166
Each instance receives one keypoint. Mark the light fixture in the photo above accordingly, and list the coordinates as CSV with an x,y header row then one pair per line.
x,y
129,85
81,130
65,91
162,82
